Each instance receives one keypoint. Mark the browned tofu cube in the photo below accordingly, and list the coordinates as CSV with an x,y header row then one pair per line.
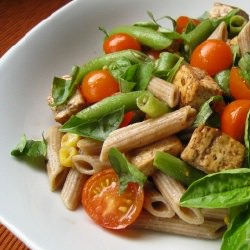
x,y
195,86
212,151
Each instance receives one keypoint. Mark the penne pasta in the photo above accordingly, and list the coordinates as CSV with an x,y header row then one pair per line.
x,y
89,146
88,164
156,205
56,172
215,213
143,157
220,32
244,39
143,133
165,91
172,191
72,189
210,229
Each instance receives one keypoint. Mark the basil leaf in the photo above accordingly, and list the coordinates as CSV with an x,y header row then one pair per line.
x,y
237,236
96,129
143,75
62,89
126,171
30,148
244,64
222,79
220,190
206,112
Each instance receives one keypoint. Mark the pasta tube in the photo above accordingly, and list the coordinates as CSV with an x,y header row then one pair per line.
x,y
165,91
88,164
143,157
143,133
89,146
220,32
72,189
244,39
156,205
172,191
210,229
56,172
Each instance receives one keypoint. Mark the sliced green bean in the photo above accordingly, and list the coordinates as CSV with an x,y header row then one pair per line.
x,y
152,106
176,168
146,36
107,105
236,24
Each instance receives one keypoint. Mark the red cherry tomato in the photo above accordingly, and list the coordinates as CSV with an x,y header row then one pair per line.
x,y
239,87
127,119
97,85
106,206
120,41
212,56
183,21
153,54
233,119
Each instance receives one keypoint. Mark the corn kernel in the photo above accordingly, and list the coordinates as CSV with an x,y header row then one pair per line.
x,y
69,140
65,156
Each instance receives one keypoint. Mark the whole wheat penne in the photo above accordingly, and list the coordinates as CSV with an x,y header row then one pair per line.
x,y
148,131
165,91
56,172
215,213
210,229
155,203
172,191
244,39
88,164
72,189
143,157
89,146
220,33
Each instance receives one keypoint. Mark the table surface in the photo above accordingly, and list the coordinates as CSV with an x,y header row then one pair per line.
x,y
17,17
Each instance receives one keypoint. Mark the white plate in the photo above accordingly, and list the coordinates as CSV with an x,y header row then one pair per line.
x,y
68,37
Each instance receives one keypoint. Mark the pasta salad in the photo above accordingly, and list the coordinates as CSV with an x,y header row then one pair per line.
x,y
154,134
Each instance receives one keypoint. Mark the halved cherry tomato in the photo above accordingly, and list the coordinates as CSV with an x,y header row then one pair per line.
x,y
153,54
120,41
106,206
233,119
127,119
97,85
212,56
239,87
183,21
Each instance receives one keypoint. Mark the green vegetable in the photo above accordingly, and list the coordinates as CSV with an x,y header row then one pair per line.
x,y
146,36
236,24
96,129
30,148
222,79
220,190
206,115
167,65
176,168
244,64
152,106
247,138
63,89
126,171
104,107
237,236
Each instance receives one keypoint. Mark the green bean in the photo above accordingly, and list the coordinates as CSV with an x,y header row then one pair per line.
x,y
236,24
104,107
146,36
176,168
151,106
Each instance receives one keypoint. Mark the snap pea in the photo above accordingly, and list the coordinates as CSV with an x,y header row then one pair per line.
x,y
146,36
176,168
107,105
236,24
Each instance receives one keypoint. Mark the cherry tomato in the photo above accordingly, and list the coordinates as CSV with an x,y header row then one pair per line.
x,y
183,21
127,119
239,87
153,54
120,41
212,56
233,119
97,85
106,206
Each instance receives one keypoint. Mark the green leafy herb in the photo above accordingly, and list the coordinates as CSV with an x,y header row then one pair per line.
x,y
97,129
244,65
126,171
205,113
220,190
222,79
30,148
